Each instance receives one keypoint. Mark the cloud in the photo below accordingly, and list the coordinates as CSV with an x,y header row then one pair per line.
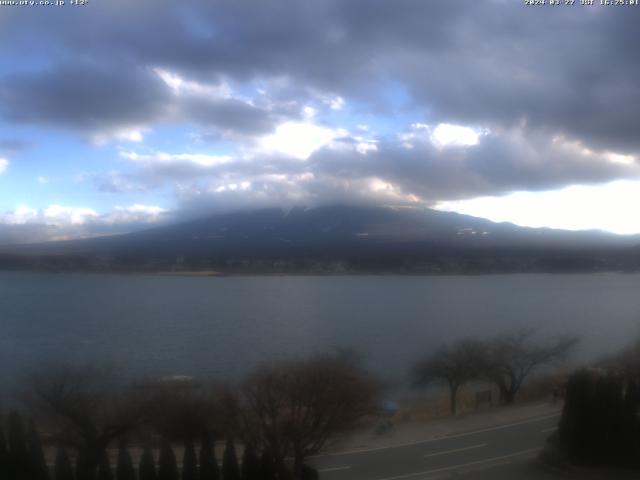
x,y
216,105
360,101
157,168
12,146
58,222
115,182
610,207
465,64
411,168
500,162
446,134
56,215
162,158
4,164
137,213
298,139
131,134
85,96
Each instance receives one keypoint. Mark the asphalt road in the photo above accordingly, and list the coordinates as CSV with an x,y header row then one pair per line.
x,y
499,452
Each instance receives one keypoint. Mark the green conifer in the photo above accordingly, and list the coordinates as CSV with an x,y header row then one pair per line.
x,y
63,469
147,467
230,468
250,463
18,460
124,468
208,464
267,467
37,462
104,467
167,466
4,455
189,462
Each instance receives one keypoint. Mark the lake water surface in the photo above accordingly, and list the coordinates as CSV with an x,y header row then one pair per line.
x,y
222,327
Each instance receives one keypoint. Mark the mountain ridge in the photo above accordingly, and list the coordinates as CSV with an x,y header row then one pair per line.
x,y
304,239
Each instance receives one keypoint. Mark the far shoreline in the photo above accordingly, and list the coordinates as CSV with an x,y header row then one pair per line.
x,y
186,273
221,274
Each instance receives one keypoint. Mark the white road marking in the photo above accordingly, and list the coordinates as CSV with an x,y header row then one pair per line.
x,y
437,439
547,430
462,465
456,450
334,469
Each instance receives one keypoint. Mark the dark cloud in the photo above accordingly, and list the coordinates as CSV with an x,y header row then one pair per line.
x,y
531,76
498,164
12,146
84,96
570,70
228,115
407,171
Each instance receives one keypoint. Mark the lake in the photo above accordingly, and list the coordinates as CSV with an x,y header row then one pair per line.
x,y
221,327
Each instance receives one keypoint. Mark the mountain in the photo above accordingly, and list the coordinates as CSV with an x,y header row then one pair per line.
x,y
335,239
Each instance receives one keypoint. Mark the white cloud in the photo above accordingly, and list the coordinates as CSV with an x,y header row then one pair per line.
x,y
337,103
366,147
127,134
42,180
446,134
137,213
20,216
57,215
441,136
309,112
231,187
4,163
61,215
611,207
65,216
181,86
620,158
334,102
390,193
58,222
198,159
299,139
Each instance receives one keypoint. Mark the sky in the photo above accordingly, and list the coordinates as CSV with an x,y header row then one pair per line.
x,y
118,115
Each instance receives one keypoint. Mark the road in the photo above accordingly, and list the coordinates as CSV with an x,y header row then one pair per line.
x,y
498,452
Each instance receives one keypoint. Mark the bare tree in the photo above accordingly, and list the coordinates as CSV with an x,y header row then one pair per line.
x,y
454,365
294,408
86,408
512,358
